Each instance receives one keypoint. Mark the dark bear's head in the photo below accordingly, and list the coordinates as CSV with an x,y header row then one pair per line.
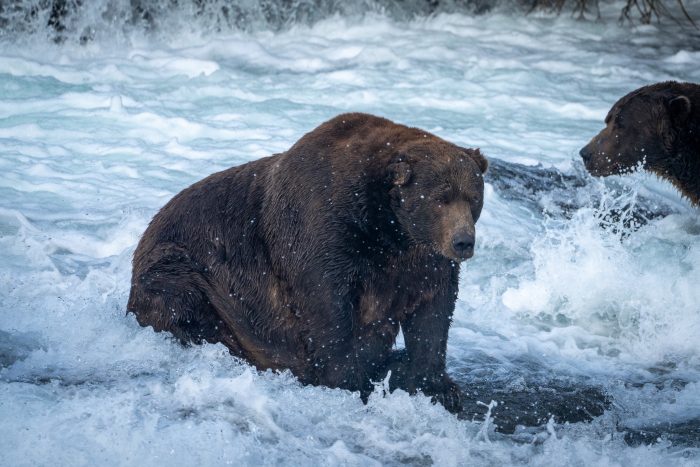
x,y
643,128
437,194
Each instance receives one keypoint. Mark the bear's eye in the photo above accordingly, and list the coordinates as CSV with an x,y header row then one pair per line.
x,y
442,198
618,120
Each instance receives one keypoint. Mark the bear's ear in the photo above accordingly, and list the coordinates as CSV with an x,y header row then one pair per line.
x,y
679,107
479,159
399,173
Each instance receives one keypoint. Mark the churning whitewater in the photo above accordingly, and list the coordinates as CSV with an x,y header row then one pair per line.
x,y
575,337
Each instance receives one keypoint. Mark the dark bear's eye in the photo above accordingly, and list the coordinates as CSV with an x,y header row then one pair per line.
x,y
442,198
618,120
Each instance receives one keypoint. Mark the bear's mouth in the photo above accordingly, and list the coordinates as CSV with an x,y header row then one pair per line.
x,y
596,169
612,168
463,255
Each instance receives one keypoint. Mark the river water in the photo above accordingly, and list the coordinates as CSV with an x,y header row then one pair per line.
x,y
579,314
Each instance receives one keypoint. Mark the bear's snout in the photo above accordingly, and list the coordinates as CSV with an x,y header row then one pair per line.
x,y
463,244
586,155
589,160
457,233
595,159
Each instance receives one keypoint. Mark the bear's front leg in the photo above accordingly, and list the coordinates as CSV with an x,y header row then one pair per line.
x,y
360,360
422,365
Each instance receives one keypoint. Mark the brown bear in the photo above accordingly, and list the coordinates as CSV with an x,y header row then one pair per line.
x,y
310,260
656,127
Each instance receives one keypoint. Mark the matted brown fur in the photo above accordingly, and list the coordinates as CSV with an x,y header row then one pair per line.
x,y
656,127
310,260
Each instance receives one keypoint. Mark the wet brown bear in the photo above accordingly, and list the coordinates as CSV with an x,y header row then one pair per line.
x,y
657,127
311,259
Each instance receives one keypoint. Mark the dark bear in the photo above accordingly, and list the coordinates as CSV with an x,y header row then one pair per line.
x,y
656,127
312,259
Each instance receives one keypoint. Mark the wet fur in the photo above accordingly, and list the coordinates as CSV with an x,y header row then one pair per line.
x,y
312,259
654,127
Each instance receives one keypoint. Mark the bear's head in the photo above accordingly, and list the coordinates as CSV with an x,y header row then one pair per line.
x,y
437,192
643,129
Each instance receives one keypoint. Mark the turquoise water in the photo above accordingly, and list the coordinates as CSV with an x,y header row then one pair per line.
x,y
95,138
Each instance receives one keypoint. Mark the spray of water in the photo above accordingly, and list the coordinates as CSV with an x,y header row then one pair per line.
x,y
601,270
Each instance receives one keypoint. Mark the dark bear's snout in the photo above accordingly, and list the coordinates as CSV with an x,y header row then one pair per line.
x,y
586,155
596,154
463,244
458,233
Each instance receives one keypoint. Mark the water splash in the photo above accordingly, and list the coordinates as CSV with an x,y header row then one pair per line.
x,y
600,271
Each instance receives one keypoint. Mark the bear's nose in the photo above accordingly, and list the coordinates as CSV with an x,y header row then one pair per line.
x,y
463,243
585,154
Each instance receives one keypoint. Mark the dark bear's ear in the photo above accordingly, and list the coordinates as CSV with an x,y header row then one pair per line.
x,y
399,173
479,159
679,107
